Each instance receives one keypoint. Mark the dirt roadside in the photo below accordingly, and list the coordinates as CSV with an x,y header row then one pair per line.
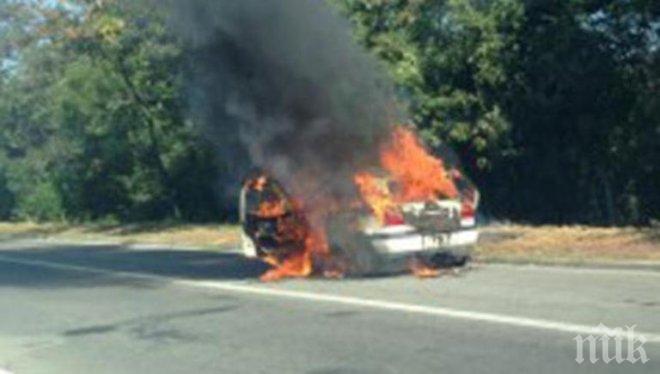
x,y
564,245
570,245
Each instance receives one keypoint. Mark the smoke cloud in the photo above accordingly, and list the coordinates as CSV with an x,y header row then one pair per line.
x,y
282,86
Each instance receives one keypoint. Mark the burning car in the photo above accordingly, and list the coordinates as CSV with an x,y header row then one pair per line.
x,y
413,209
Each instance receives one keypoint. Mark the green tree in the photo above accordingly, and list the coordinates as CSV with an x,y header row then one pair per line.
x,y
450,59
551,105
97,109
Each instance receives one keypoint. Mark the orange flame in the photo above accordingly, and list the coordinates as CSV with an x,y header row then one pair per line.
x,y
314,246
272,209
420,175
375,194
297,265
257,183
420,269
416,173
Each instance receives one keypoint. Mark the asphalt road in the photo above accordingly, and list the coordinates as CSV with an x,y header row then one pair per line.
x,y
107,309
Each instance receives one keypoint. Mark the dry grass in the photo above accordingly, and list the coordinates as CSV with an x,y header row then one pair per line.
x,y
147,233
569,244
510,243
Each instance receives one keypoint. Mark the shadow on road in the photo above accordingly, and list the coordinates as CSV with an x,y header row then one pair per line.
x,y
188,264
150,326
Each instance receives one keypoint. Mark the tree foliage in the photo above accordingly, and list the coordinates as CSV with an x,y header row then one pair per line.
x,y
94,116
552,106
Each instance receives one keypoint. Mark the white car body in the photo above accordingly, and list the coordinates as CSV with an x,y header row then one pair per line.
x,y
404,239
401,239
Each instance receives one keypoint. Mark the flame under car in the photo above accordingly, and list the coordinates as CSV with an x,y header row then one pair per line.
x,y
440,231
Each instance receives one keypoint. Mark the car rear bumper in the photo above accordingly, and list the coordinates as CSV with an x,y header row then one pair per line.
x,y
402,240
406,239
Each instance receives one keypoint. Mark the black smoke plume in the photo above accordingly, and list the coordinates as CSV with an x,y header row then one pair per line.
x,y
281,85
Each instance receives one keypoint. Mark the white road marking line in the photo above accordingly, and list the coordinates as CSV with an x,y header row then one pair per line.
x,y
575,269
539,324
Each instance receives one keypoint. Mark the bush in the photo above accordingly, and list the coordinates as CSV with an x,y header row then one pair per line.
x,y
42,203
7,200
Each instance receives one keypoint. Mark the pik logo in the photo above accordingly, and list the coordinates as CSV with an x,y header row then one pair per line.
x,y
613,345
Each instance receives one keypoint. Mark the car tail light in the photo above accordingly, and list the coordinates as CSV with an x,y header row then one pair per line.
x,y
469,202
467,211
394,218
